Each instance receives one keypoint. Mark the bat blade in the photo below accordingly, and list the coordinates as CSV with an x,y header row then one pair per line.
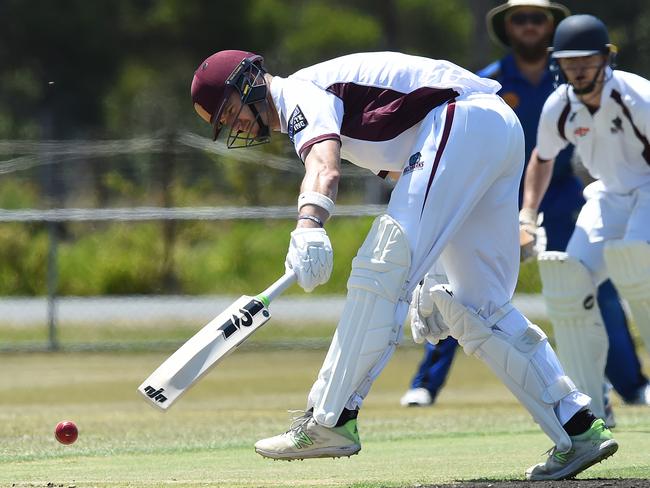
x,y
204,350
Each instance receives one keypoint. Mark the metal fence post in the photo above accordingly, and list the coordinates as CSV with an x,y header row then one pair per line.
x,y
52,282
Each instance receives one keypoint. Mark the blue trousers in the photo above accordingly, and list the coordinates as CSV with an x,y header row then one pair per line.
x,y
561,206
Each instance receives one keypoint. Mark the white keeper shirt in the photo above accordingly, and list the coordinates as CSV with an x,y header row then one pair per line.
x,y
613,142
372,103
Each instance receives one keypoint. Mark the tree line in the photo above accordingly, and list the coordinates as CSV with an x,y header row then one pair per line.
x,y
115,68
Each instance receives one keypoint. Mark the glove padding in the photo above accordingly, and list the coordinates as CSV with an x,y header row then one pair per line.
x,y
310,256
528,230
426,321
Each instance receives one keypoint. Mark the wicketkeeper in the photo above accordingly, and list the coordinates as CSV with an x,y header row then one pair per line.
x,y
458,150
605,113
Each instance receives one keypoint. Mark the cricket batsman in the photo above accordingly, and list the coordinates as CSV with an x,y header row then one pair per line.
x,y
458,150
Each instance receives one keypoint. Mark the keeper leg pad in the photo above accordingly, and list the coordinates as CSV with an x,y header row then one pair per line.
x,y
628,263
529,375
368,332
580,334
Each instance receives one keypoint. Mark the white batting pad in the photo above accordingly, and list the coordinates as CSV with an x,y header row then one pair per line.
x,y
580,335
367,333
628,263
520,360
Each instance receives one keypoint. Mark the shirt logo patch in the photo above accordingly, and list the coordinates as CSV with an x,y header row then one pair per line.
x,y
415,162
618,125
581,131
297,122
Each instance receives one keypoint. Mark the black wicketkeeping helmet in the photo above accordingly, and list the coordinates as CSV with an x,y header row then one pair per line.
x,y
580,35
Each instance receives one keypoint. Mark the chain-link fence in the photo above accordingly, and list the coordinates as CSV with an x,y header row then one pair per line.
x,y
135,244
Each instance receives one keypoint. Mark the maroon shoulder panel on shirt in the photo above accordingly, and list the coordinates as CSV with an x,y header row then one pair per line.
x,y
561,123
639,135
379,114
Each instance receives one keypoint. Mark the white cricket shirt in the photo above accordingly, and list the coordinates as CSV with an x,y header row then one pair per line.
x,y
372,103
613,142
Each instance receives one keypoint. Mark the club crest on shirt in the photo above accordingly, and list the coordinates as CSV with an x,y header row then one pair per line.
x,y
297,122
511,98
581,131
618,125
415,162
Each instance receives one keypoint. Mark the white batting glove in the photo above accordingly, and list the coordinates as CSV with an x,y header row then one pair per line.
x,y
426,321
310,257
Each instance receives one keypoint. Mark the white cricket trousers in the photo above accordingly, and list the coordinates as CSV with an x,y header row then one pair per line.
x,y
607,216
461,207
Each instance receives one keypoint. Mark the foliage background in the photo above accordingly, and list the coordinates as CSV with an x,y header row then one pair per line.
x,y
115,69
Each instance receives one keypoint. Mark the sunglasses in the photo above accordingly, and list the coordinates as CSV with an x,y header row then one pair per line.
x,y
523,18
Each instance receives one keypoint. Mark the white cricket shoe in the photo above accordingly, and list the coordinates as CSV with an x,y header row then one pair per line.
x,y
416,397
307,439
588,448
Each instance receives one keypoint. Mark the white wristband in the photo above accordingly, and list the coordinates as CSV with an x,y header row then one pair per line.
x,y
315,198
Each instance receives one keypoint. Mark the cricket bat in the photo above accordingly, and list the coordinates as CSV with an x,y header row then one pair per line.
x,y
221,336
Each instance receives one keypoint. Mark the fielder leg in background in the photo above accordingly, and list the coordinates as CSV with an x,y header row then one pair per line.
x,y
623,367
431,374
628,263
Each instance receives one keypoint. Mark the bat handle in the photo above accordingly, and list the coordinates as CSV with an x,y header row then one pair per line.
x,y
277,288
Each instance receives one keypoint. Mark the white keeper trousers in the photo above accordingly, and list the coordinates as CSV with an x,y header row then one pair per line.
x,y
461,207
607,216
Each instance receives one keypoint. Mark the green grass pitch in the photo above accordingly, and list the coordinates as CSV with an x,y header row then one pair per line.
x,y
476,431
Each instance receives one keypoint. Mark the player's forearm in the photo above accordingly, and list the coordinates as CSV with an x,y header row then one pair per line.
x,y
322,175
536,181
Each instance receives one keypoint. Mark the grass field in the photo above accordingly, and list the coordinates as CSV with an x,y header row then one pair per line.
x,y
476,431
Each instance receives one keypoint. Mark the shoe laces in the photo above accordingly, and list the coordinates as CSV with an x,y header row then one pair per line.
x,y
298,419
559,456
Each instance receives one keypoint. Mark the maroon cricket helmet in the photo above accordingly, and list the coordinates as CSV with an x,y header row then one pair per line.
x,y
216,78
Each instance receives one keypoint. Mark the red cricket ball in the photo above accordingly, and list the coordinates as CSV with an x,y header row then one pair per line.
x,y
66,432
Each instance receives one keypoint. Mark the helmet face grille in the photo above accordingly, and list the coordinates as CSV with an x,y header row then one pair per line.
x,y
248,79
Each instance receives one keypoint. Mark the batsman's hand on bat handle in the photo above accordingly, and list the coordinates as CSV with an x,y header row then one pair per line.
x,y
527,233
310,257
426,321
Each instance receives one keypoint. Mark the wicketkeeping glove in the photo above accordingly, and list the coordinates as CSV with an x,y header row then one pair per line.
x,y
426,321
310,257
527,233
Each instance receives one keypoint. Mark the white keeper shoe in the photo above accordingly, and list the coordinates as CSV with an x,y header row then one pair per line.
x,y
587,449
416,397
306,439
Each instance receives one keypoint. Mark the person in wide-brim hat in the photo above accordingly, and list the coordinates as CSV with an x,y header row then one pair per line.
x,y
496,18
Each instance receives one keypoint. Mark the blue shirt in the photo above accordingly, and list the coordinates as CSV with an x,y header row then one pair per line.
x,y
527,101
